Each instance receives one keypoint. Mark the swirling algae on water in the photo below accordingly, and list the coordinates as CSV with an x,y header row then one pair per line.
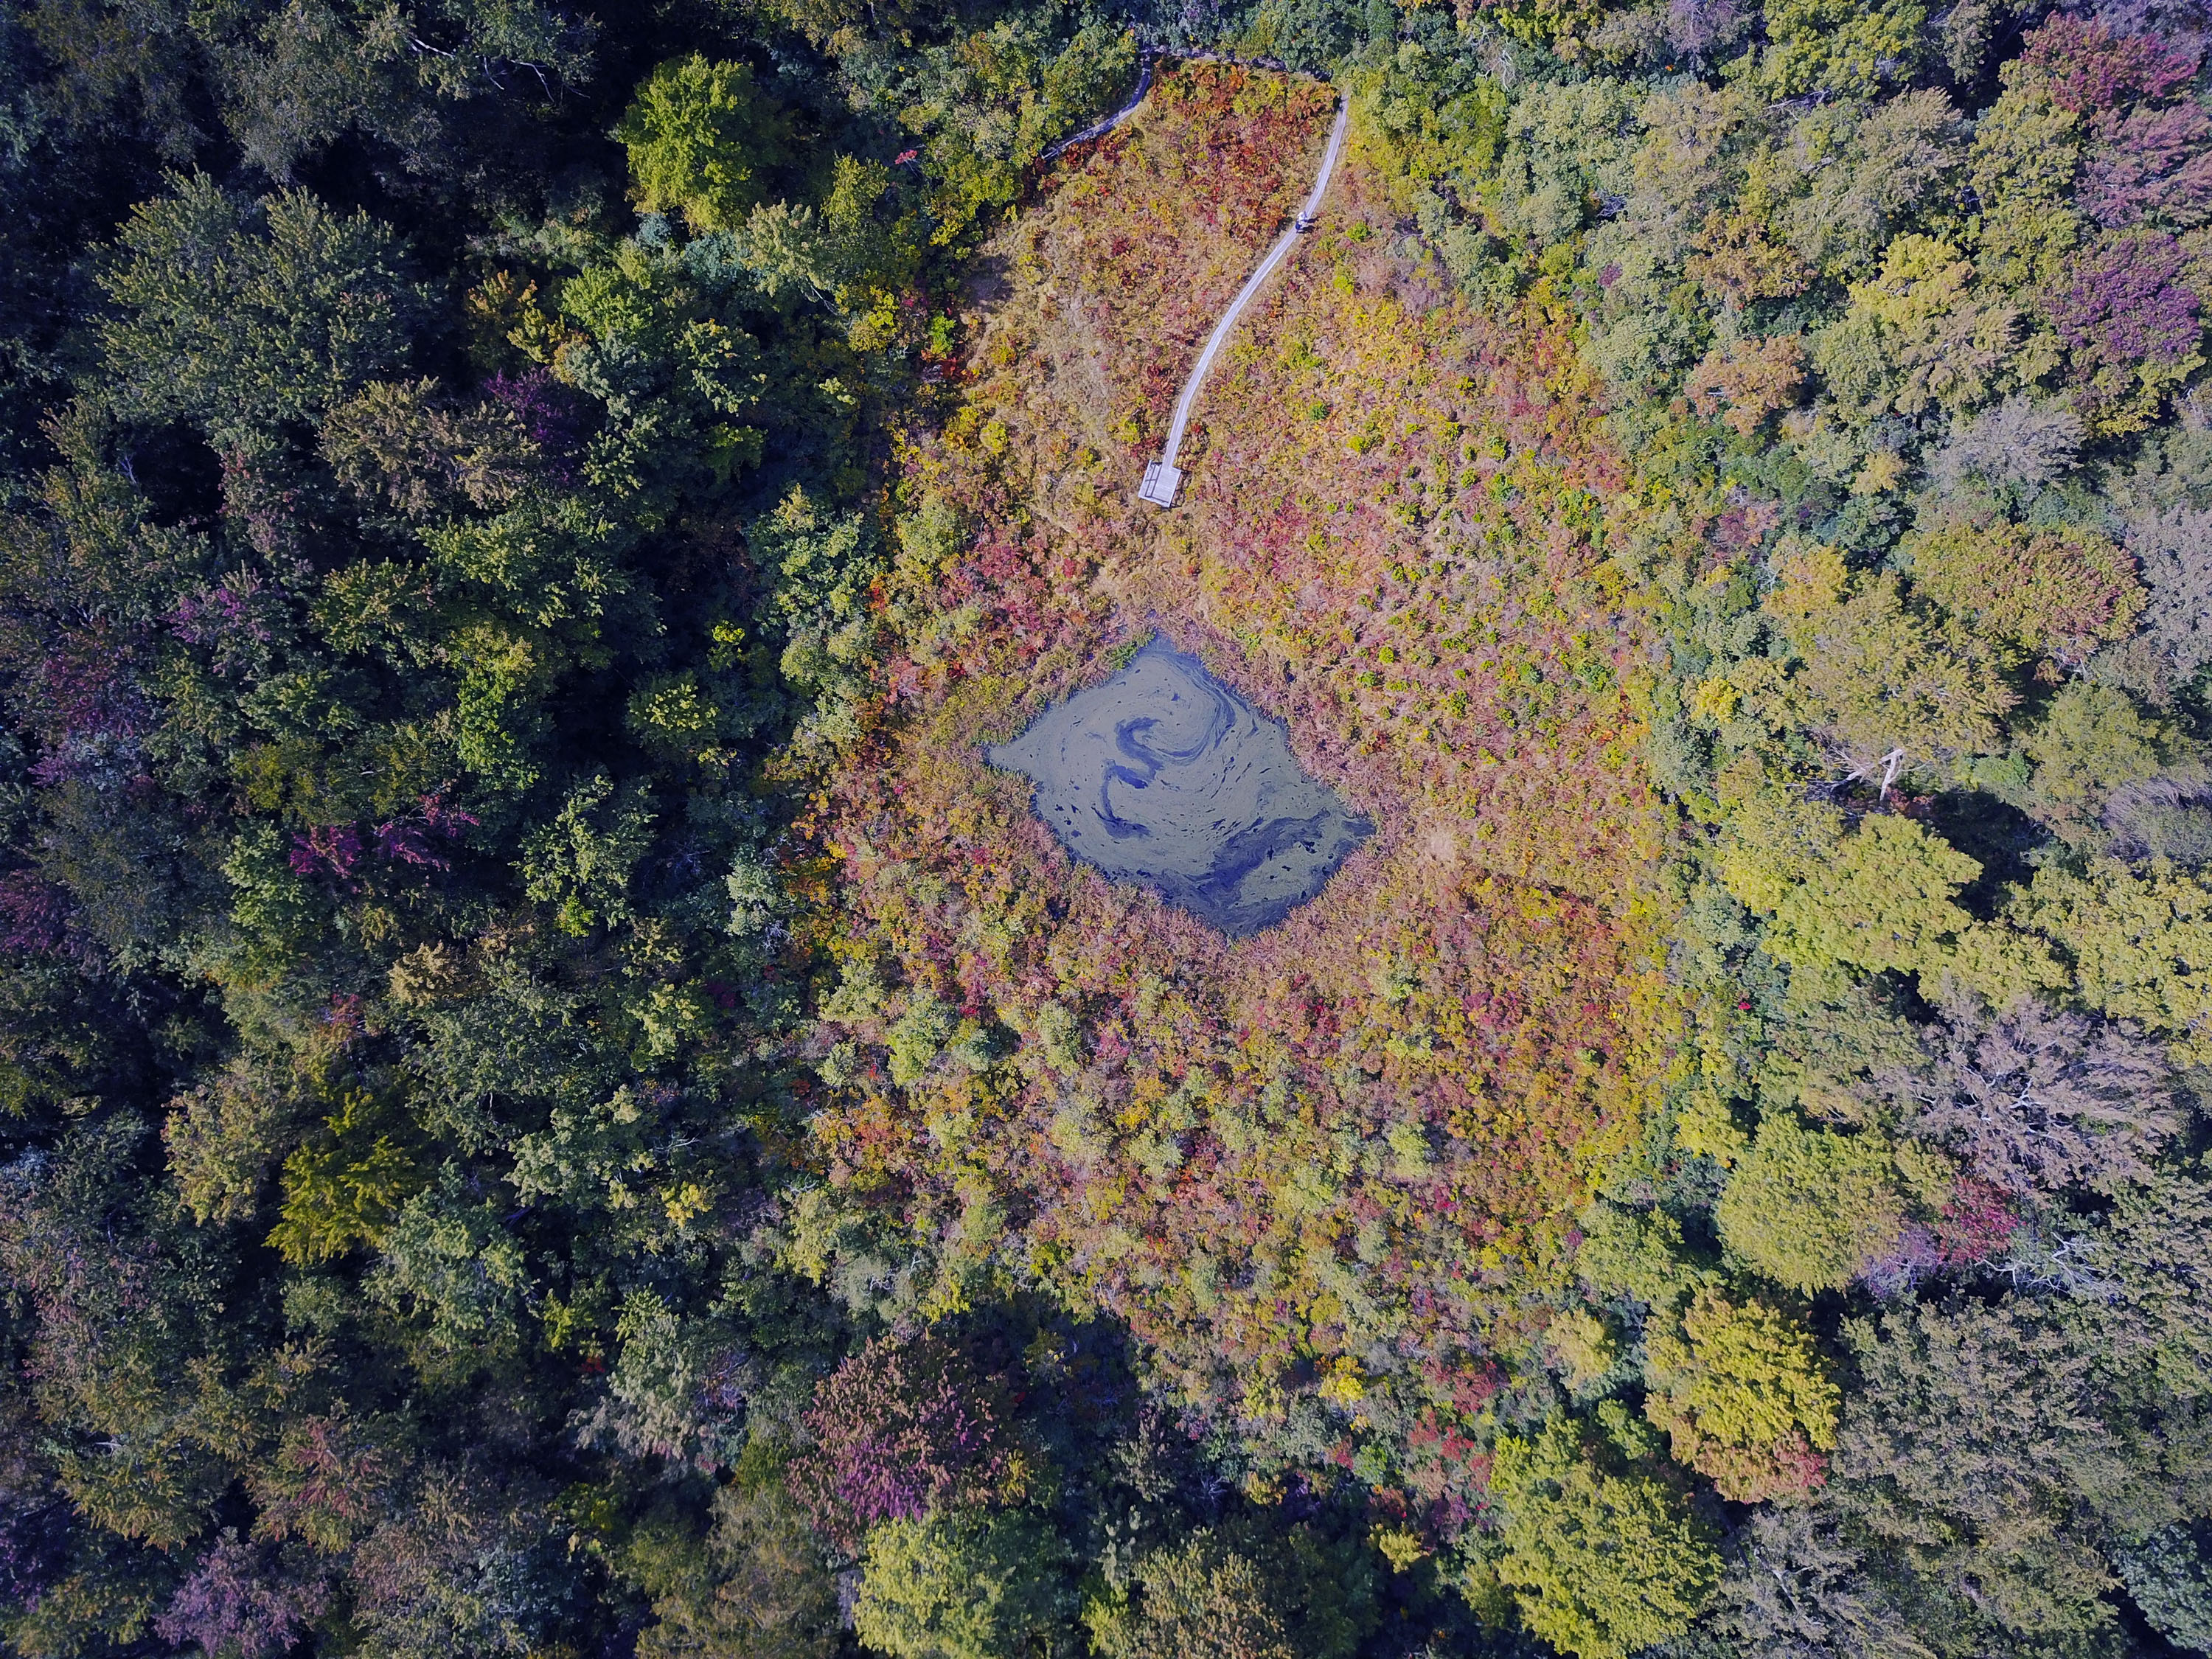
x,y
1162,774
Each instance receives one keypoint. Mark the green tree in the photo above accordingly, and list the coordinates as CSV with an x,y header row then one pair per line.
x,y
1918,334
753,1587
345,1189
826,569
1881,673
1799,1584
2139,942
966,1585
700,137
2025,154
1566,147
2169,1578
1742,1391
1601,1564
2064,595
1810,1208
1973,1445
986,106
1841,50
1882,897
1239,1593
1845,176
456,1276
240,316
2090,745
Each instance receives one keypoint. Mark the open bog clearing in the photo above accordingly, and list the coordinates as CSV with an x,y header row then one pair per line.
x,y
1373,638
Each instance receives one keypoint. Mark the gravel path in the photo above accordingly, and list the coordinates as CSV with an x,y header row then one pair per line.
x,y
1099,129
1162,479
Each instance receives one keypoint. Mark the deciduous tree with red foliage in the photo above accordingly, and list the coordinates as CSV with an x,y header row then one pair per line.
x,y
903,1429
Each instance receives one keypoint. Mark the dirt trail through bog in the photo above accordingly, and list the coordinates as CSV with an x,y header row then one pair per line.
x,y
1164,478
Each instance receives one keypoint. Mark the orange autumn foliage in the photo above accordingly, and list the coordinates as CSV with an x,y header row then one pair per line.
x,y
1750,380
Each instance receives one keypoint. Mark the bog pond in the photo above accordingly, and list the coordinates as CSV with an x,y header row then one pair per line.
x,y
1162,774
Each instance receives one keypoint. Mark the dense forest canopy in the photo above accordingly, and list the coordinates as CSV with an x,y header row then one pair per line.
x,y
551,1102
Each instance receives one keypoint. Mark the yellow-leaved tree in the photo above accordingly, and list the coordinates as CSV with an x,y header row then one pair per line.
x,y
1740,1390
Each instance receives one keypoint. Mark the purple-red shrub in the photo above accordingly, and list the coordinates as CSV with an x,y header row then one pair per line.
x,y
2152,163
34,914
2144,161
1978,1222
87,704
901,1429
202,618
2124,299
326,1485
34,1546
1696,26
404,839
2130,322
1917,1253
335,849
549,415
332,848
235,621
2088,68
238,1604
